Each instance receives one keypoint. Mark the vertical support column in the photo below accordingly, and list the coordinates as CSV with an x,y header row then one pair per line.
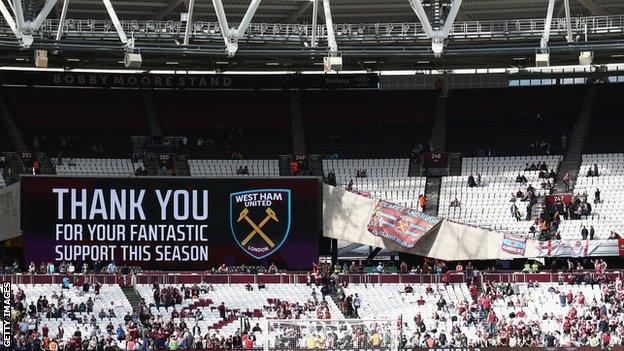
x,y
331,35
116,22
314,22
568,21
59,33
296,123
244,24
189,22
223,23
547,25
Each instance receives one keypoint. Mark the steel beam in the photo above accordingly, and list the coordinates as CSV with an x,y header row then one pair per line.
x,y
547,25
189,22
331,35
422,16
568,21
244,24
59,33
8,17
19,14
45,11
314,22
116,23
450,19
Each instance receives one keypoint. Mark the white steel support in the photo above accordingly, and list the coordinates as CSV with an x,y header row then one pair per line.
x,y
251,11
568,21
547,25
422,16
223,23
45,11
450,19
59,33
231,36
189,22
19,14
8,17
437,36
331,35
314,22
116,23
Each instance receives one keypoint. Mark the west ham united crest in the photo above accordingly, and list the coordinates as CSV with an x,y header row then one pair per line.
x,y
260,220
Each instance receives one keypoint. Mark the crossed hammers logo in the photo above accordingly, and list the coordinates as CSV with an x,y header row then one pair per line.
x,y
257,228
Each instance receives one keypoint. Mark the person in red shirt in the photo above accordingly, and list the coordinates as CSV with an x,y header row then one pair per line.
x,y
247,342
485,303
580,298
569,297
294,167
491,320
606,339
446,279
474,292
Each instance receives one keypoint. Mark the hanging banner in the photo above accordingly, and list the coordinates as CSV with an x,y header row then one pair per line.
x,y
400,224
514,244
583,248
548,248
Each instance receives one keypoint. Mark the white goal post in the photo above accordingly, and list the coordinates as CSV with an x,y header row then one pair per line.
x,y
331,334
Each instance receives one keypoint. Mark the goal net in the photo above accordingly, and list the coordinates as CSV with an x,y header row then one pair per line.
x,y
324,334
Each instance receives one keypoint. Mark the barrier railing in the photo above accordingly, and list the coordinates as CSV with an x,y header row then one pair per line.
x,y
286,278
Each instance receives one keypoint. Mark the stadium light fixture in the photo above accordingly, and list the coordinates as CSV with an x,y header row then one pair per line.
x,y
438,37
232,35
586,58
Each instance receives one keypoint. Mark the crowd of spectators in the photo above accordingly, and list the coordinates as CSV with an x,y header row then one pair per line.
x,y
595,322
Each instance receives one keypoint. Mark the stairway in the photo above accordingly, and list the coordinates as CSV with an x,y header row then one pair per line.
x,y
337,302
182,166
11,126
296,124
415,167
46,164
133,297
152,113
150,164
438,132
432,191
572,158
455,164
284,165
316,165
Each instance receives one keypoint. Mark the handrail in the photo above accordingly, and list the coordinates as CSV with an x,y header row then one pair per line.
x,y
158,30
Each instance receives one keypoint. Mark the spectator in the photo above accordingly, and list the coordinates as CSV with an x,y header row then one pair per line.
x,y
422,202
111,268
592,232
455,202
222,310
471,181
552,175
294,167
597,196
584,233
566,181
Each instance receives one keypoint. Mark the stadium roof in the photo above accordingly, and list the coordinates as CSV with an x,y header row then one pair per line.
x,y
369,34
343,11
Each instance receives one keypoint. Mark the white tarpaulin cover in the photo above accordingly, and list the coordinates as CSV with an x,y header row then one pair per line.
x,y
10,212
346,217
